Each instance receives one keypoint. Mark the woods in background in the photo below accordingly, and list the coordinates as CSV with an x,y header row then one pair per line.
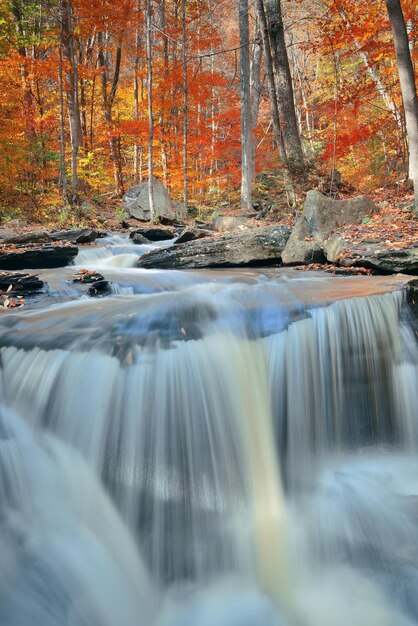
x,y
94,95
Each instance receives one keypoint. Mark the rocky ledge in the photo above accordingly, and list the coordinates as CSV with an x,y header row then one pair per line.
x,y
32,256
378,255
262,246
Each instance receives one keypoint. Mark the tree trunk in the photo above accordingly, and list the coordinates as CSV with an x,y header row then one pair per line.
x,y
285,98
245,94
185,100
256,82
63,170
71,88
148,10
408,88
271,83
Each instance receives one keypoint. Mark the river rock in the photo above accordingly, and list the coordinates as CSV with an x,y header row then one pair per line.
x,y
139,239
75,235
228,224
377,255
36,257
154,234
18,283
36,236
320,217
191,233
136,203
256,247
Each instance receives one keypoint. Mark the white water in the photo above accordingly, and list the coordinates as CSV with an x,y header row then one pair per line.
x,y
115,251
143,481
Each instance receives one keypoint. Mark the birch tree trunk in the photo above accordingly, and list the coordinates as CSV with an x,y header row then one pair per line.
x,y
245,97
408,88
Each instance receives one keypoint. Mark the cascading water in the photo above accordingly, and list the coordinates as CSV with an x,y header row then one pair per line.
x,y
211,450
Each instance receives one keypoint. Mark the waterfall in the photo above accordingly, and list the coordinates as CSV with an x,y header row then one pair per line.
x,y
209,456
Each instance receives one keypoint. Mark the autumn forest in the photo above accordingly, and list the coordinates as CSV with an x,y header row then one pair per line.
x,y
95,95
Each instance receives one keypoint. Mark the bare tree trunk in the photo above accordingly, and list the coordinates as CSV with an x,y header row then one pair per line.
x,y
71,89
285,98
137,146
270,77
185,100
148,10
63,171
408,88
245,94
255,75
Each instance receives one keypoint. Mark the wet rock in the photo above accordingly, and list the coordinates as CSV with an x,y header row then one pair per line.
x,y
261,246
20,284
100,288
36,257
321,216
191,233
228,224
87,276
36,236
139,239
75,235
377,255
154,234
136,203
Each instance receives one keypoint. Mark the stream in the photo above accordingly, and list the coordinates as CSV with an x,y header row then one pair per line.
x,y
208,448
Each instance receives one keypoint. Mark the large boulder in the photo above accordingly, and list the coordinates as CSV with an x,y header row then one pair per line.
x,y
136,203
320,217
262,246
378,255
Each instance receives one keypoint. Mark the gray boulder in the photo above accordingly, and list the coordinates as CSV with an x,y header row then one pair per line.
x,y
261,246
373,254
136,203
5,233
321,216
75,235
35,236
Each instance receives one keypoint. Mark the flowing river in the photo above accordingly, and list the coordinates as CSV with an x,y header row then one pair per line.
x,y
209,448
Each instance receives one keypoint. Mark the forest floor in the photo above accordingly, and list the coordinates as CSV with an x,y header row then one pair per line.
x,y
392,224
